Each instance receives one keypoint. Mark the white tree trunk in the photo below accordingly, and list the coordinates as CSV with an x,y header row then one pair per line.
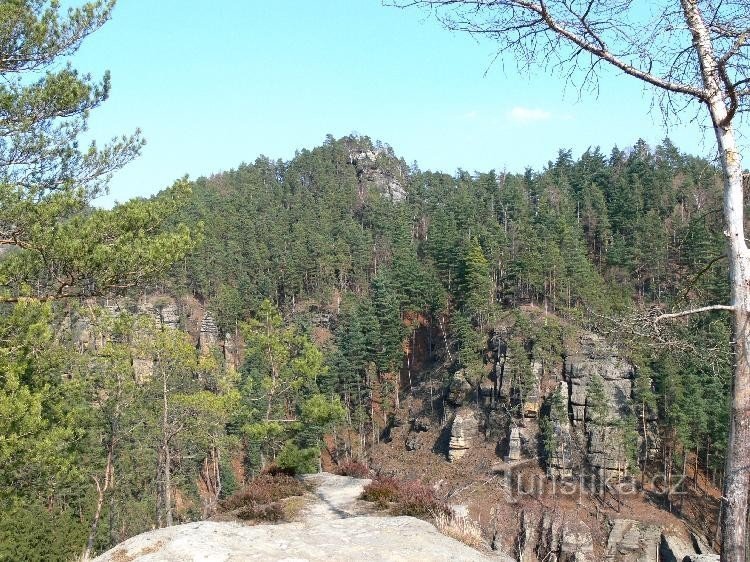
x,y
737,480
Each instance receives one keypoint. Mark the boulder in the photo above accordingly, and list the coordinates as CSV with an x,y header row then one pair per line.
x,y
632,541
675,549
563,541
412,443
464,431
700,543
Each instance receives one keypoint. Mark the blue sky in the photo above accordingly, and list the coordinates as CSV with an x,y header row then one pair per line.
x,y
216,84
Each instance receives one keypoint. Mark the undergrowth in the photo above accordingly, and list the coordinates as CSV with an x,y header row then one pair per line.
x,y
260,499
405,497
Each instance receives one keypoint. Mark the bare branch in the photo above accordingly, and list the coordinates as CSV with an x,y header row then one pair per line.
x,y
660,317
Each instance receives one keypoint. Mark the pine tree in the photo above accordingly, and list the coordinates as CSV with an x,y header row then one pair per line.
x,y
476,285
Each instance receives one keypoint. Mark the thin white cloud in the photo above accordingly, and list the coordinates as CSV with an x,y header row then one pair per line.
x,y
520,114
471,114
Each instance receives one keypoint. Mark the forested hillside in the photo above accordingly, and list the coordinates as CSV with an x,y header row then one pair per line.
x,y
325,291
388,253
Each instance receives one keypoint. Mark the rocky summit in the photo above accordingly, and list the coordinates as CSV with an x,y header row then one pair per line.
x,y
328,530
383,539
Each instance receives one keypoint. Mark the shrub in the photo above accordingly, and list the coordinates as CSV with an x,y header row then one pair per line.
x,y
229,484
405,498
272,512
381,491
353,468
276,470
264,489
296,460
418,500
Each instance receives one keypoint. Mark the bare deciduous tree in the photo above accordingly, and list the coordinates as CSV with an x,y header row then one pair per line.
x,y
688,51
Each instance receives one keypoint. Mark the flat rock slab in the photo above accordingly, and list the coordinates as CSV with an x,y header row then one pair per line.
x,y
338,497
377,539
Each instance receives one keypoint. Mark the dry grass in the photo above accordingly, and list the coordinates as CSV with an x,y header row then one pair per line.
x,y
293,506
460,528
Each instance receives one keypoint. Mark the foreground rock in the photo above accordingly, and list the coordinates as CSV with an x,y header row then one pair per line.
x,y
402,539
331,528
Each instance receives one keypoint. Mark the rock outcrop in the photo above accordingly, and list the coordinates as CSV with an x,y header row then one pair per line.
x,y
331,529
597,358
208,336
604,438
561,460
636,541
675,549
464,430
514,445
564,541
632,541
356,538
380,169
164,309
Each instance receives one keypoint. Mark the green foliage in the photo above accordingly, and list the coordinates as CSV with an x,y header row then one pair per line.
x,y
58,244
60,411
39,412
475,283
35,533
519,367
279,392
630,437
296,460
